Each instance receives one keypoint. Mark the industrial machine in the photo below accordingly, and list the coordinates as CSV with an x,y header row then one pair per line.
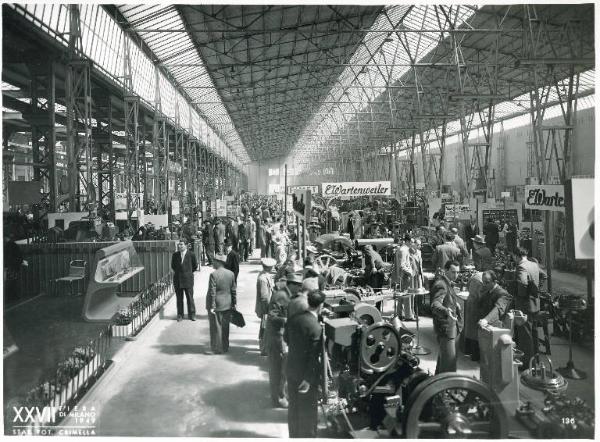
x,y
374,386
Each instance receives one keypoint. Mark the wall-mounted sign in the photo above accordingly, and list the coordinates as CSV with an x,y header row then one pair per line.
x,y
580,215
292,189
356,189
301,203
213,207
505,194
545,197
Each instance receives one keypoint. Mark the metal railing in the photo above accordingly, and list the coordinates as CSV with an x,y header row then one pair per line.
x,y
60,391
73,376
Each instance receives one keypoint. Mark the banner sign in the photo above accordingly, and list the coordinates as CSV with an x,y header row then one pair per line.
x,y
292,189
355,189
301,202
545,197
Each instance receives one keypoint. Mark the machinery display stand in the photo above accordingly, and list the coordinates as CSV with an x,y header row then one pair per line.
x,y
569,371
418,349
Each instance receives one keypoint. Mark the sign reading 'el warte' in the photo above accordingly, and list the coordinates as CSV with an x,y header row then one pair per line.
x,y
363,188
545,197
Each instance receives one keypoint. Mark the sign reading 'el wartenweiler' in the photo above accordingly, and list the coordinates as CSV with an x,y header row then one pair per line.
x,y
362,188
545,197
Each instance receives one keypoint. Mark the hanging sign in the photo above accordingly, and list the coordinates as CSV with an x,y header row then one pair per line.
x,y
221,208
545,197
292,189
121,200
174,207
356,189
301,202
213,207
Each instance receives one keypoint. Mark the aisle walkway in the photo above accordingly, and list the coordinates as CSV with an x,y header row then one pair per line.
x,y
163,385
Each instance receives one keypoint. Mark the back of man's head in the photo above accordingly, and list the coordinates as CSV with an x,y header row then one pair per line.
x,y
315,299
521,251
449,236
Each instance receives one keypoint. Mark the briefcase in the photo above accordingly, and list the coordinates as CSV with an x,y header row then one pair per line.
x,y
237,318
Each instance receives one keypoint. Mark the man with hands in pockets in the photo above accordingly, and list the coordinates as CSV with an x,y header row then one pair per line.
x,y
220,300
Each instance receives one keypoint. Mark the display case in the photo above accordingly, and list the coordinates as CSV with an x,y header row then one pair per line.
x,y
113,266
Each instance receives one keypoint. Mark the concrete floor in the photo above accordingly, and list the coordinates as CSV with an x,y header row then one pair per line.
x,y
163,385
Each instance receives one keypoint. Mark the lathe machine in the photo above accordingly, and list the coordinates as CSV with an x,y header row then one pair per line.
x,y
373,386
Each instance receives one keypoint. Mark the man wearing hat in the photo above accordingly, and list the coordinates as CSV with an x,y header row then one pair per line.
x,y
471,230
482,256
233,259
264,289
276,347
220,300
299,302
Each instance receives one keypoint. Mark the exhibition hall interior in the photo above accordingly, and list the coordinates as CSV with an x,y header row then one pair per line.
x,y
299,220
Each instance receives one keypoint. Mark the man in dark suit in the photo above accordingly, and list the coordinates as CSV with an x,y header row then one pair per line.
x,y
208,241
527,300
276,347
471,230
448,251
184,264
492,235
447,317
494,303
220,300
303,334
233,260
262,238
